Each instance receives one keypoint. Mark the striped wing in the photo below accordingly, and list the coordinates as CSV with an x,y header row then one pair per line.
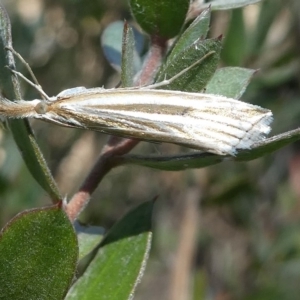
x,y
207,122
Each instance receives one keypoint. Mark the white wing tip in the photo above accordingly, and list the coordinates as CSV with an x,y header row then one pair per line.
x,y
257,133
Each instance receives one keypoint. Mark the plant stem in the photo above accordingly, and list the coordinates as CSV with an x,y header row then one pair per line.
x,y
116,146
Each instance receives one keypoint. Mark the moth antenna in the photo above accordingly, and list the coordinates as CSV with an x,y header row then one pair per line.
x,y
35,82
36,86
170,80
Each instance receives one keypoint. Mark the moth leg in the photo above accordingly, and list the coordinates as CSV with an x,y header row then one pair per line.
x,y
35,82
170,80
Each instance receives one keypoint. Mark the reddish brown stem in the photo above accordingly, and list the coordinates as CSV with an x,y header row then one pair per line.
x,y
105,163
153,60
116,146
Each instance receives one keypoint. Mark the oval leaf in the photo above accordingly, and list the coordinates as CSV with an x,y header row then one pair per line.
x,y
230,82
163,18
206,52
38,255
89,238
197,29
201,160
120,261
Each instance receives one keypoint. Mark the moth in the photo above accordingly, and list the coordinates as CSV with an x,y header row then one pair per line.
x,y
200,121
206,122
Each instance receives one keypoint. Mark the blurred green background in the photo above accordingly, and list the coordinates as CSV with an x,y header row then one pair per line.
x,y
230,231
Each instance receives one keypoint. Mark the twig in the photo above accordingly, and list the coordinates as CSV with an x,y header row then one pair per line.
x,y
116,146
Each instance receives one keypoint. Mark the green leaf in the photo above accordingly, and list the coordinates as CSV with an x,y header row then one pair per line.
x,y
112,41
21,130
163,18
127,71
235,42
196,78
229,4
197,29
120,261
230,82
201,160
195,160
88,238
33,157
38,255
